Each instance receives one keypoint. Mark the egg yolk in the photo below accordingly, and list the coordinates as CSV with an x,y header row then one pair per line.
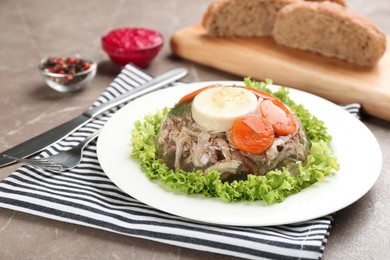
x,y
230,97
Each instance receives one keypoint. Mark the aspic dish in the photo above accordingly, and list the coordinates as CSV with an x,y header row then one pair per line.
x,y
237,143
336,192
231,129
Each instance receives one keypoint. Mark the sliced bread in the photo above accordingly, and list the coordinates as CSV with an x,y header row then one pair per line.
x,y
331,30
242,17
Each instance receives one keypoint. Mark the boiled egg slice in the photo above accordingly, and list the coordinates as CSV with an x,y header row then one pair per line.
x,y
217,108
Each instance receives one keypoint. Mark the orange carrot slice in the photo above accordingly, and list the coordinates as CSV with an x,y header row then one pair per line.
x,y
192,95
282,120
261,94
252,134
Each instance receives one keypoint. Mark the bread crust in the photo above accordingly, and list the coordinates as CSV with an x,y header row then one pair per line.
x,y
331,30
340,2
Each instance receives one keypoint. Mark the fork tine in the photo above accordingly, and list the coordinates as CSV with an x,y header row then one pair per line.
x,y
54,167
45,164
41,163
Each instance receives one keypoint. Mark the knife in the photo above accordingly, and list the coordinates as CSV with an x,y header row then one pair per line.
x,y
40,142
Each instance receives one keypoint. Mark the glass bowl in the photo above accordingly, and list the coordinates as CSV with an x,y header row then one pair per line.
x,y
138,46
66,80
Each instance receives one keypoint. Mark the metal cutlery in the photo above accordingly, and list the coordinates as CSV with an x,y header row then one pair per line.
x,y
62,161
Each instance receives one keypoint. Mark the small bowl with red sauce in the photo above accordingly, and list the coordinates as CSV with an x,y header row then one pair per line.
x,y
67,74
138,46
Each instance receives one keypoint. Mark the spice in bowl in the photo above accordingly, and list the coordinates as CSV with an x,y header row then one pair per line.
x,y
138,46
67,74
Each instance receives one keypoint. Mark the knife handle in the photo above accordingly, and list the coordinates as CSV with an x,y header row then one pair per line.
x,y
154,84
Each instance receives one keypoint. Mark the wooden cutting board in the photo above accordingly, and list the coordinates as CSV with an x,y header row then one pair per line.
x,y
261,58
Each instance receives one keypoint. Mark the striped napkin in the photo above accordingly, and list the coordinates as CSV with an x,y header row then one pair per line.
x,y
86,196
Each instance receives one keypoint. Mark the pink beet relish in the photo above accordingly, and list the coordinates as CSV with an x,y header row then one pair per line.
x,y
132,45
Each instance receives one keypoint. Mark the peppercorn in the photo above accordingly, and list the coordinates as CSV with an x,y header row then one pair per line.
x,y
66,66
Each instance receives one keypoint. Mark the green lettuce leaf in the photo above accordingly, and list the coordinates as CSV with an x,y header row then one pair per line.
x,y
271,188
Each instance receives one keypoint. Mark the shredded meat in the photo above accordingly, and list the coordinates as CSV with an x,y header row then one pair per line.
x,y
184,144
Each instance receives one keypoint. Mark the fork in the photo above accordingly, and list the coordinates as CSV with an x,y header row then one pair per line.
x,y
62,161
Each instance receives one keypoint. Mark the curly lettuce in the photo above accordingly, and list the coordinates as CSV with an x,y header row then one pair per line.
x,y
272,187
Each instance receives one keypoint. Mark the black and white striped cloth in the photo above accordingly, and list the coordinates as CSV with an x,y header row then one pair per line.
x,y
86,196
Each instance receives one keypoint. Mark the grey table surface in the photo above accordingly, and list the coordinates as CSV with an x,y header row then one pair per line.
x,y
31,30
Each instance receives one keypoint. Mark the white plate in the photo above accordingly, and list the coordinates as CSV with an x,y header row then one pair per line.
x,y
356,148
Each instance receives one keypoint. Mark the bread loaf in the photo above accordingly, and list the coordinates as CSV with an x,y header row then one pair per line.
x,y
245,18
331,30
242,17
